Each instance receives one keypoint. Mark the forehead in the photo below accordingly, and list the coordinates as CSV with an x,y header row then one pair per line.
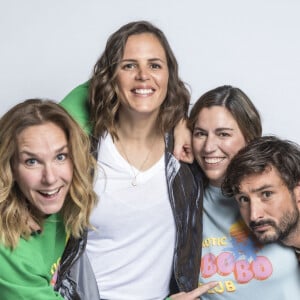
x,y
143,44
43,137
270,177
216,116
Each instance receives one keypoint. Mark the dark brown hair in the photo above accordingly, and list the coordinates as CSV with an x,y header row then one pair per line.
x,y
237,103
260,155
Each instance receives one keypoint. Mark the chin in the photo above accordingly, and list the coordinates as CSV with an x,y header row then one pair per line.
x,y
267,238
52,210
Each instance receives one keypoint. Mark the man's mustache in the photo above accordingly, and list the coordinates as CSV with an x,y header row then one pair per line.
x,y
254,224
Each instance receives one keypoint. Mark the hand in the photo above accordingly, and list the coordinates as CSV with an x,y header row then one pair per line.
x,y
183,143
196,293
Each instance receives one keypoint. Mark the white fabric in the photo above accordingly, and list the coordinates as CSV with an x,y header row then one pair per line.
x,y
132,249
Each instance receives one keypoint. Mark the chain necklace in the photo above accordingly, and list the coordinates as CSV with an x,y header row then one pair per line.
x,y
136,174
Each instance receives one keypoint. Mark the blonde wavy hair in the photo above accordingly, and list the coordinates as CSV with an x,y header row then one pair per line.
x,y
15,210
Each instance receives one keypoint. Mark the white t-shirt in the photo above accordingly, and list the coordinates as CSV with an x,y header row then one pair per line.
x,y
131,250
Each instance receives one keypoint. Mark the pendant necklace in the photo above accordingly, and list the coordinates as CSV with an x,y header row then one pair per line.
x,y
136,174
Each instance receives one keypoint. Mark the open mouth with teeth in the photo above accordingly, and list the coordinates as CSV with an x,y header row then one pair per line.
x,y
213,160
143,91
49,194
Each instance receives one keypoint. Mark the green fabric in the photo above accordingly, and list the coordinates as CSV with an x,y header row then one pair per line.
x,y
29,271
76,103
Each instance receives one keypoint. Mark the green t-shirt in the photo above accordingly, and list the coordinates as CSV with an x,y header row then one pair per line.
x,y
76,103
29,271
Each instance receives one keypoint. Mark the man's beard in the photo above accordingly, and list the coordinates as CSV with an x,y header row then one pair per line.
x,y
288,223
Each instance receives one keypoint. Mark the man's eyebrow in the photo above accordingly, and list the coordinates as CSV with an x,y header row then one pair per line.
x,y
261,188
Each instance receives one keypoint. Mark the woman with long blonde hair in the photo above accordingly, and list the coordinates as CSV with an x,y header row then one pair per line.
x,y
46,197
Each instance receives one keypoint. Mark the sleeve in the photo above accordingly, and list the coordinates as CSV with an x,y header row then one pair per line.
x,y
76,103
20,279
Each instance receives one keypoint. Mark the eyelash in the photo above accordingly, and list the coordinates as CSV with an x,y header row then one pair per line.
x,y
267,194
61,157
224,134
29,162
201,133
128,66
243,200
131,66
65,156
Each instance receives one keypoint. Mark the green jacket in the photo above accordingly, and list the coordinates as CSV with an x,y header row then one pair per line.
x,y
29,271
79,105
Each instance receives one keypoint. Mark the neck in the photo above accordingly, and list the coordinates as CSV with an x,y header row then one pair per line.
x,y
216,183
137,127
139,132
141,147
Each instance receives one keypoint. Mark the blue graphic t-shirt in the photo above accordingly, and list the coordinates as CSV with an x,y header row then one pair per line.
x,y
244,268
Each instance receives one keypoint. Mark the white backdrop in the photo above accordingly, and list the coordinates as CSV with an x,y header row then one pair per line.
x,y
49,47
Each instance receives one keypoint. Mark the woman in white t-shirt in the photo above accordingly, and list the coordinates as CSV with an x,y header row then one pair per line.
x,y
147,233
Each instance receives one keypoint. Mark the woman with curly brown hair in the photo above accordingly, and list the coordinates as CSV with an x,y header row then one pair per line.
x,y
148,222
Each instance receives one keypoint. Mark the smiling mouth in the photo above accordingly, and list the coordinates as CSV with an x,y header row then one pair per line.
x,y
143,91
213,160
50,194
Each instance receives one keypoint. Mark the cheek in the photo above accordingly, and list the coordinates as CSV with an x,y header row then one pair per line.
x,y
197,146
68,172
245,214
26,181
118,88
121,82
236,146
19,174
163,80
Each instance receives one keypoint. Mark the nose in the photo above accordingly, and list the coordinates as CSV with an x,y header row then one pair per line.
x,y
210,144
49,174
142,73
256,211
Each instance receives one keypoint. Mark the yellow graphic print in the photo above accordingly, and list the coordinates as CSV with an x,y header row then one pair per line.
x,y
53,272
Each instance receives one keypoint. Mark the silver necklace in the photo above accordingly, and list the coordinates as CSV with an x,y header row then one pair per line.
x,y
136,174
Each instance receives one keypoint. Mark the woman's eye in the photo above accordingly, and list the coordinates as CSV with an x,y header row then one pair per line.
x,y
199,134
61,157
155,66
31,162
224,134
128,66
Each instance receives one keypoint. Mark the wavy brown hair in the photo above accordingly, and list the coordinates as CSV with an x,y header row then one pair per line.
x,y
237,103
103,101
15,210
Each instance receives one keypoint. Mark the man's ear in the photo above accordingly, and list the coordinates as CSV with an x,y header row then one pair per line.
x,y
297,194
